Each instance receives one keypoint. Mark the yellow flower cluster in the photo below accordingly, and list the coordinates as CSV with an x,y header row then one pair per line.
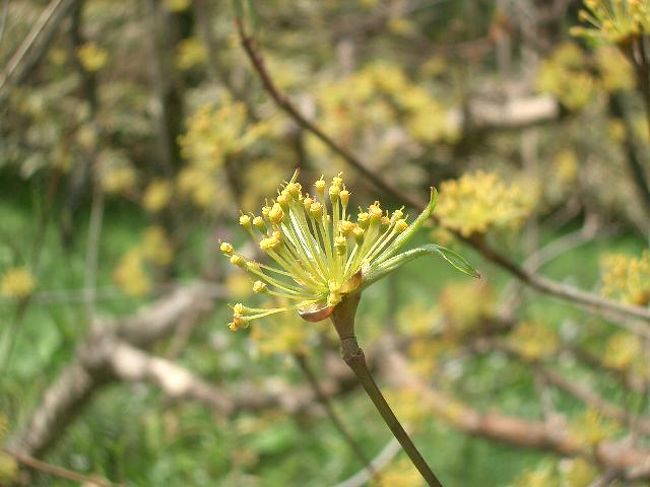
x,y
590,428
321,252
621,350
465,306
481,201
92,57
627,278
17,283
579,473
565,75
401,473
131,275
213,135
157,195
381,95
543,476
614,21
190,53
118,178
533,341
177,5
575,79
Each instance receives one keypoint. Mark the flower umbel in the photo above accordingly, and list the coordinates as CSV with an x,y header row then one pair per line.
x,y
322,253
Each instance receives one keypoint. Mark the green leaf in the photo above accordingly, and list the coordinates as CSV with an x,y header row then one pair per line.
x,y
379,269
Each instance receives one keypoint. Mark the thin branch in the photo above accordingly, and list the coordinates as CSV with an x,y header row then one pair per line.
x,y
309,374
56,470
584,299
43,30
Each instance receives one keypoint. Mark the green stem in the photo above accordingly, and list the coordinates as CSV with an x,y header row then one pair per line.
x,y
343,319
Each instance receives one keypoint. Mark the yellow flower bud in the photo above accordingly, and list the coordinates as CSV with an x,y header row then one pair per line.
x,y
374,212
357,233
283,199
265,211
226,248
346,227
245,221
363,219
334,192
294,189
345,197
320,186
316,210
259,223
259,287
401,225
276,215
307,201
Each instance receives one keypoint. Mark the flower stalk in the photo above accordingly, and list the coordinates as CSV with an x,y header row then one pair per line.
x,y
343,319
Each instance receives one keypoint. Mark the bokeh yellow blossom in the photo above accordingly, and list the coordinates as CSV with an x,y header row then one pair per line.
x,y
156,247
92,56
465,306
542,476
190,53
627,278
157,195
130,274
590,428
17,282
565,74
533,341
480,201
621,350
578,473
400,473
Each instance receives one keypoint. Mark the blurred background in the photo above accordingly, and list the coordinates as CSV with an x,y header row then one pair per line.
x,y
133,133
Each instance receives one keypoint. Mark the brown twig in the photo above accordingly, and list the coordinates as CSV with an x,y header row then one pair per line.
x,y
542,284
56,470
309,374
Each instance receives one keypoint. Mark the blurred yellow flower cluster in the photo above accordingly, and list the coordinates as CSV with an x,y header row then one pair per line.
x,y
621,350
17,282
131,274
575,79
213,135
627,278
177,5
401,473
590,428
542,476
480,201
565,76
190,53
533,341
614,21
465,306
92,57
157,195
579,473
381,95
116,173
